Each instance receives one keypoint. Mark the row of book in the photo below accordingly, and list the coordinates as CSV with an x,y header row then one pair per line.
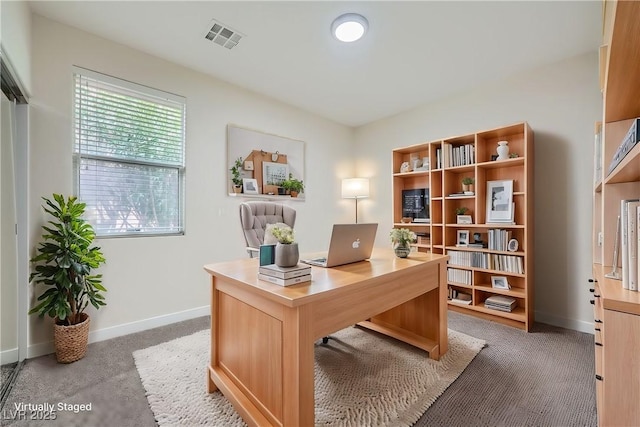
x,y
506,263
459,276
285,276
498,239
458,155
630,241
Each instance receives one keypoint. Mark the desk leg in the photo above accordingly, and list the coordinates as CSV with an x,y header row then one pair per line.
x,y
298,367
443,333
211,386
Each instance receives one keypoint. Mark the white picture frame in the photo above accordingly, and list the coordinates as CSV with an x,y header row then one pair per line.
x,y
464,219
512,246
274,173
500,282
250,186
462,237
500,206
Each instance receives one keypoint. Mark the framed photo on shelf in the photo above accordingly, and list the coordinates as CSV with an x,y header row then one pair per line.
x,y
500,201
250,185
462,237
464,219
499,282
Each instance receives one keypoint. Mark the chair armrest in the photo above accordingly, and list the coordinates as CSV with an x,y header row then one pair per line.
x,y
253,252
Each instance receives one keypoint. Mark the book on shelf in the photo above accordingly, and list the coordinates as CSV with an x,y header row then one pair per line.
x,y
624,241
628,142
285,282
632,209
285,272
500,302
459,297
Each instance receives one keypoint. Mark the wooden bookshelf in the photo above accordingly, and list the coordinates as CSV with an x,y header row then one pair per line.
x,y
616,310
444,179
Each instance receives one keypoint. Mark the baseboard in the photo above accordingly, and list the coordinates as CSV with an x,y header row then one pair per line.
x,y
563,322
8,356
41,349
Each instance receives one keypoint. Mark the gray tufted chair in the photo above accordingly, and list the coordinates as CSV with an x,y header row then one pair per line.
x,y
254,217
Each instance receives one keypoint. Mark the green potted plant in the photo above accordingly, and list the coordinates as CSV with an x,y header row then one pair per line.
x,y
287,253
236,178
467,184
461,218
64,265
401,239
293,185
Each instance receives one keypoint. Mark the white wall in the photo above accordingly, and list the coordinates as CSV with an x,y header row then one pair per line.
x,y
157,276
561,102
15,38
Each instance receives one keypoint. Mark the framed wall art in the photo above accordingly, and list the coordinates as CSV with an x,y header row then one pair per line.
x,y
500,201
266,158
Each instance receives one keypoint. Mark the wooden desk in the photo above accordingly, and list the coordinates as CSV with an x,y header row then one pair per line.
x,y
262,335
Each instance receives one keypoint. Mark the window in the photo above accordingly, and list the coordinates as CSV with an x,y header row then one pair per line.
x,y
129,156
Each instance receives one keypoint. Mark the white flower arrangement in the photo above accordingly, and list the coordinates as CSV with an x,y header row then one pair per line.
x,y
284,235
402,236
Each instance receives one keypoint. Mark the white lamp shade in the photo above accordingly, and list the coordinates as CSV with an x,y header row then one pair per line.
x,y
355,188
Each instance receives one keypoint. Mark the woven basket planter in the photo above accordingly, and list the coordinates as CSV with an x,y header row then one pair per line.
x,y
71,341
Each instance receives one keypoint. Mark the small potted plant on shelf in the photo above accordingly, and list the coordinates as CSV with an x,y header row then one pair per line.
x,y
293,185
461,216
63,265
467,184
236,178
287,253
401,239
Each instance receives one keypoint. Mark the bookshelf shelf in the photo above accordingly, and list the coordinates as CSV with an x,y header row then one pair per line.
x,y
451,160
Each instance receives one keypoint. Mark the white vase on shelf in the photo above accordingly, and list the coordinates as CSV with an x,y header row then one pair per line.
x,y
503,150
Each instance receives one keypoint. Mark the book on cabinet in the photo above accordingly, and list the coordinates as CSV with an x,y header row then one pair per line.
x,y
473,156
616,310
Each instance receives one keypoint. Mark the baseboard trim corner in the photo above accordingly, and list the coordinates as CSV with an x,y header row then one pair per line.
x,y
563,322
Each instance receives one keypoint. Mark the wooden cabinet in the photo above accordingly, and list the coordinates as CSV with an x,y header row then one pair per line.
x,y
617,350
470,268
616,310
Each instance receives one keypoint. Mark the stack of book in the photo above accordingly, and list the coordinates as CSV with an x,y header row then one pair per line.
x,y
500,302
285,276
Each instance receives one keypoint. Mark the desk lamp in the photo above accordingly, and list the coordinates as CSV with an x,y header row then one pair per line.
x,y
355,188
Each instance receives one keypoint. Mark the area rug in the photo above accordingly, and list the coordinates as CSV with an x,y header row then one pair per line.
x,y
361,378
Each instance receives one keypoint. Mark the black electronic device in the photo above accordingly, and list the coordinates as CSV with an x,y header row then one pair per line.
x,y
415,204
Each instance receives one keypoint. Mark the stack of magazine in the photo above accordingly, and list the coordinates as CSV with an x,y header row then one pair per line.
x,y
499,302
285,276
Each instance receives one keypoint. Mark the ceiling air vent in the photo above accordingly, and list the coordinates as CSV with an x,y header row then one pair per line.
x,y
222,35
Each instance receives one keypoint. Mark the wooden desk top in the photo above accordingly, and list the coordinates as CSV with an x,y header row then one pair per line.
x,y
325,282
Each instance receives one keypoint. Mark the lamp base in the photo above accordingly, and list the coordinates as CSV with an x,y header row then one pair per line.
x,y
613,275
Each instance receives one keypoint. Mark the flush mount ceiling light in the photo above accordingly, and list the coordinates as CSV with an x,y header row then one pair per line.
x,y
349,27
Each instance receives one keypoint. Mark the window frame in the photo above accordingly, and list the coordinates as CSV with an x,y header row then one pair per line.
x,y
78,156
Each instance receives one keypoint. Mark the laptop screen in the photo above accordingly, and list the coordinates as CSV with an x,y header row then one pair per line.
x,y
351,243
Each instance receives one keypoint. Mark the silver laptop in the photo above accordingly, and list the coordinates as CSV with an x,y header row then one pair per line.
x,y
349,243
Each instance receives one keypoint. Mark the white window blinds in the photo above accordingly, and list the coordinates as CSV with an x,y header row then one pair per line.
x,y
129,156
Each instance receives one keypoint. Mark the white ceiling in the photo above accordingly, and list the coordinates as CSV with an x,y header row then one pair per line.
x,y
414,53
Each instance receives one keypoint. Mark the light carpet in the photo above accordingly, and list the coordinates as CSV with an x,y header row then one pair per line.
x,y
361,378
